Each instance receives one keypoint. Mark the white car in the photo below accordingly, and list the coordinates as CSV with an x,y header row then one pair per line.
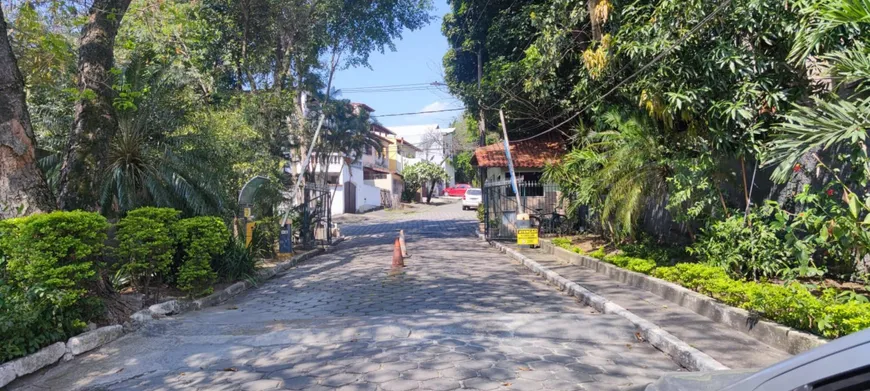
x,y
472,198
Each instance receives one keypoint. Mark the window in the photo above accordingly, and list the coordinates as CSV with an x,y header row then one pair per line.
x,y
473,192
368,149
857,380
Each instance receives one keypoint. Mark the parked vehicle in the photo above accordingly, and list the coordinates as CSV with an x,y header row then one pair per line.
x,y
457,190
840,365
472,198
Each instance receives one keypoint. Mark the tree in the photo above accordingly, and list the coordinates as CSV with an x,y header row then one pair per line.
x,y
422,173
95,121
22,185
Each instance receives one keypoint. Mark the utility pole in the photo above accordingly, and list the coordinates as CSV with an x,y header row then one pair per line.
x,y
507,153
481,122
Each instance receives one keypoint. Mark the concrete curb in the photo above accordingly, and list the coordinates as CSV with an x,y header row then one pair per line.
x,y
685,355
90,340
786,338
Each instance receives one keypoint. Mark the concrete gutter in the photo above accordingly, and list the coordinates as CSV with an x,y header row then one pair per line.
x,y
785,338
685,355
93,339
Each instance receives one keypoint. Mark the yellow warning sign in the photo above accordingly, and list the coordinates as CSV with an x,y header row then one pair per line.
x,y
527,236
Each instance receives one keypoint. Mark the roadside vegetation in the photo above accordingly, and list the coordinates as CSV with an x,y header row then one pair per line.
x,y
726,139
129,128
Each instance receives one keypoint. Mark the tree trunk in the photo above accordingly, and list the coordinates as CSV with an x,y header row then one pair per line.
x,y
95,121
429,193
22,185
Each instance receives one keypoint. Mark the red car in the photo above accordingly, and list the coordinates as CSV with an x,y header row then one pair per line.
x,y
457,190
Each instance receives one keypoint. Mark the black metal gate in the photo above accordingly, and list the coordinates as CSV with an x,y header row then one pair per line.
x,y
540,200
349,197
313,217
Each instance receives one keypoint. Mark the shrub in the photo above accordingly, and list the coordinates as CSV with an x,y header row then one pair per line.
x,y
166,216
598,254
562,242
689,274
577,250
843,319
201,239
792,304
481,213
639,265
146,249
648,248
752,250
236,262
54,252
25,327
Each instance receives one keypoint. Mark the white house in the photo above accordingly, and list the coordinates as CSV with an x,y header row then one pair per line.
x,y
435,144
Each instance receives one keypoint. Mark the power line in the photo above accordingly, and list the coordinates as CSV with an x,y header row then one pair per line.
x,y
394,86
419,112
655,59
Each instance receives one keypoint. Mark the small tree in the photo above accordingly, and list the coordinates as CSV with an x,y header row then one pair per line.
x,y
422,173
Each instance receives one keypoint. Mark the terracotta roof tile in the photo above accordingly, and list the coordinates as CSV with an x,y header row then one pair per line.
x,y
534,153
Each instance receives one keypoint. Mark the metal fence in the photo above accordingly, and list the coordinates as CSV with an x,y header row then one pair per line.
x,y
314,217
542,201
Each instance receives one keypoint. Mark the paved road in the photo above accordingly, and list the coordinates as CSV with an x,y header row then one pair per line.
x,y
460,315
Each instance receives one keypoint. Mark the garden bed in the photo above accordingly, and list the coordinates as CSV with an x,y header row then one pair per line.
x,y
828,313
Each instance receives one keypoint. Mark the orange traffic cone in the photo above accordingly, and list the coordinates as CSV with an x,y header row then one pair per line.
x,y
398,260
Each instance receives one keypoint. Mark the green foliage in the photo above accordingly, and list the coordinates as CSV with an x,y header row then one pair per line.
x,y
615,171
639,265
690,274
599,253
562,242
481,213
646,247
236,262
146,248
423,173
749,247
165,216
54,253
201,238
48,267
791,304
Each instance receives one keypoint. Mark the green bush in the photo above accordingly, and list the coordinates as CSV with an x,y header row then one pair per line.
x,y
201,239
236,262
47,266
562,242
166,216
648,248
577,250
689,274
639,265
838,320
598,254
747,248
54,252
481,213
145,248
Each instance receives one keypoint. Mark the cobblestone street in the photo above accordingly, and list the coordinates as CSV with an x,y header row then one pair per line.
x,y
460,315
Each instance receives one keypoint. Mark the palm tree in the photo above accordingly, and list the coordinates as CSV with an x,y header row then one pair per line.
x,y
615,172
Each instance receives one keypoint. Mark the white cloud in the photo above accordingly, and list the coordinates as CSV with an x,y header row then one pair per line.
x,y
437,105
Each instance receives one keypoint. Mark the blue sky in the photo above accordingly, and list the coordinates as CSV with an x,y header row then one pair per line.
x,y
417,59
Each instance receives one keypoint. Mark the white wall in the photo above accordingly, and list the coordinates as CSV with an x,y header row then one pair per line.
x,y
367,197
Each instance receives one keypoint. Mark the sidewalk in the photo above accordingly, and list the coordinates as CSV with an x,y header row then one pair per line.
x,y
730,347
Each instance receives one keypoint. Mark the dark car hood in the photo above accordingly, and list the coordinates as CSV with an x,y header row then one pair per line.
x,y
699,381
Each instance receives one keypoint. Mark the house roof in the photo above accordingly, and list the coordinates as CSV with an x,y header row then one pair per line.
x,y
534,153
402,141
380,128
376,169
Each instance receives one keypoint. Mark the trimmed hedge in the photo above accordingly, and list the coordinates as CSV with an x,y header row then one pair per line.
x,y
791,304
